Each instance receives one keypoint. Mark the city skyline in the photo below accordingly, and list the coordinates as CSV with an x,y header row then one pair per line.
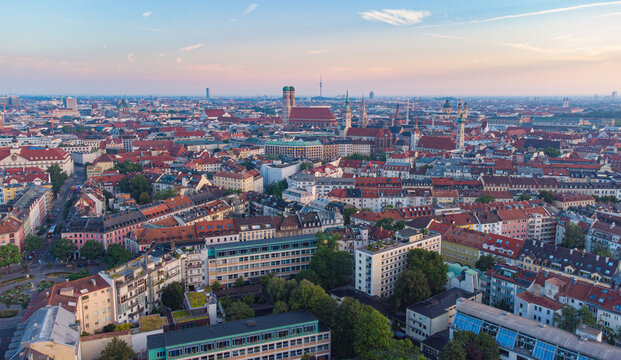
x,y
395,48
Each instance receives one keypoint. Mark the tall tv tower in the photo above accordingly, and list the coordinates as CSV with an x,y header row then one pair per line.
x,y
320,85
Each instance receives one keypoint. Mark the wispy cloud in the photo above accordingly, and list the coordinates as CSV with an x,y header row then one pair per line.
x,y
251,8
105,46
161,55
130,57
191,47
608,15
549,11
444,36
526,46
316,52
179,60
396,17
147,13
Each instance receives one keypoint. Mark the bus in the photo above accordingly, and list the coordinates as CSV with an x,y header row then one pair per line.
x,y
51,232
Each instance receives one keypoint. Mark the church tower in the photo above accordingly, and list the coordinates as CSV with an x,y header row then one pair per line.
x,y
347,112
415,136
459,141
363,114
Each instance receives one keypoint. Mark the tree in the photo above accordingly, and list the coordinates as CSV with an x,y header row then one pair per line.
x,y
411,287
571,318
487,198
308,274
92,250
371,332
57,177
165,194
276,188
32,243
116,255
551,152
467,345
78,275
524,197
239,282
333,268
117,349
136,187
305,166
216,285
62,248
547,196
485,262
280,307
574,237
601,250
453,351
108,328
430,263
347,213
144,198
128,167
9,254
123,326
239,310
276,289
172,295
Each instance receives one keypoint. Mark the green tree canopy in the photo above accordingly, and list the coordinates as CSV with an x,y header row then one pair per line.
x,y
574,237
136,186
485,262
116,255
57,177
467,345
551,152
32,243
524,197
570,318
277,188
239,310
172,295
280,307
92,250
411,287
128,167
78,275
347,213
430,263
487,198
165,194
9,254
62,248
117,349
547,196
333,268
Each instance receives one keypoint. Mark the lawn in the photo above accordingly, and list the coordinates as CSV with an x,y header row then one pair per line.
x,y
6,282
184,315
44,284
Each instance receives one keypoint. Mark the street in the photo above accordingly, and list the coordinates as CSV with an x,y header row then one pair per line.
x,y
38,266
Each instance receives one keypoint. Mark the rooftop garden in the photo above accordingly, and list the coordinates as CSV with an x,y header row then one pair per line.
x,y
184,315
151,322
197,299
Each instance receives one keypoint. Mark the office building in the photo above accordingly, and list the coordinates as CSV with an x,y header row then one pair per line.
x,y
520,338
206,93
278,336
284,256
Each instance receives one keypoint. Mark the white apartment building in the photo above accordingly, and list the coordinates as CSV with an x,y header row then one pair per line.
x,y
379,265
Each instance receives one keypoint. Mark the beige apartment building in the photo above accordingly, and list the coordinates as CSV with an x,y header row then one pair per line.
x,y
379,265
234,181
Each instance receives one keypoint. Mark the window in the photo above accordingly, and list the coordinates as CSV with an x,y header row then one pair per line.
x,y
544,351
506,338
222,344
206,347
282,334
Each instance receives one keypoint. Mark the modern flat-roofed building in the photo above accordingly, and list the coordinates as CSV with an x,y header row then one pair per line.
x,y
284,256
430,316
278,336
379,265
522,338
295,149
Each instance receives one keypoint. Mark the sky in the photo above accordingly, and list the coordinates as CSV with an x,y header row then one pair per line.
x,y
248,48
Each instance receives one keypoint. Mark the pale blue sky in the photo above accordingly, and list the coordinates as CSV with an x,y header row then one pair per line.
x,y
256,47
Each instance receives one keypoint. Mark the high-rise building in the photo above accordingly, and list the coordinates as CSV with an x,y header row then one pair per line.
x,y
614,94
206,93
371,95
71,103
